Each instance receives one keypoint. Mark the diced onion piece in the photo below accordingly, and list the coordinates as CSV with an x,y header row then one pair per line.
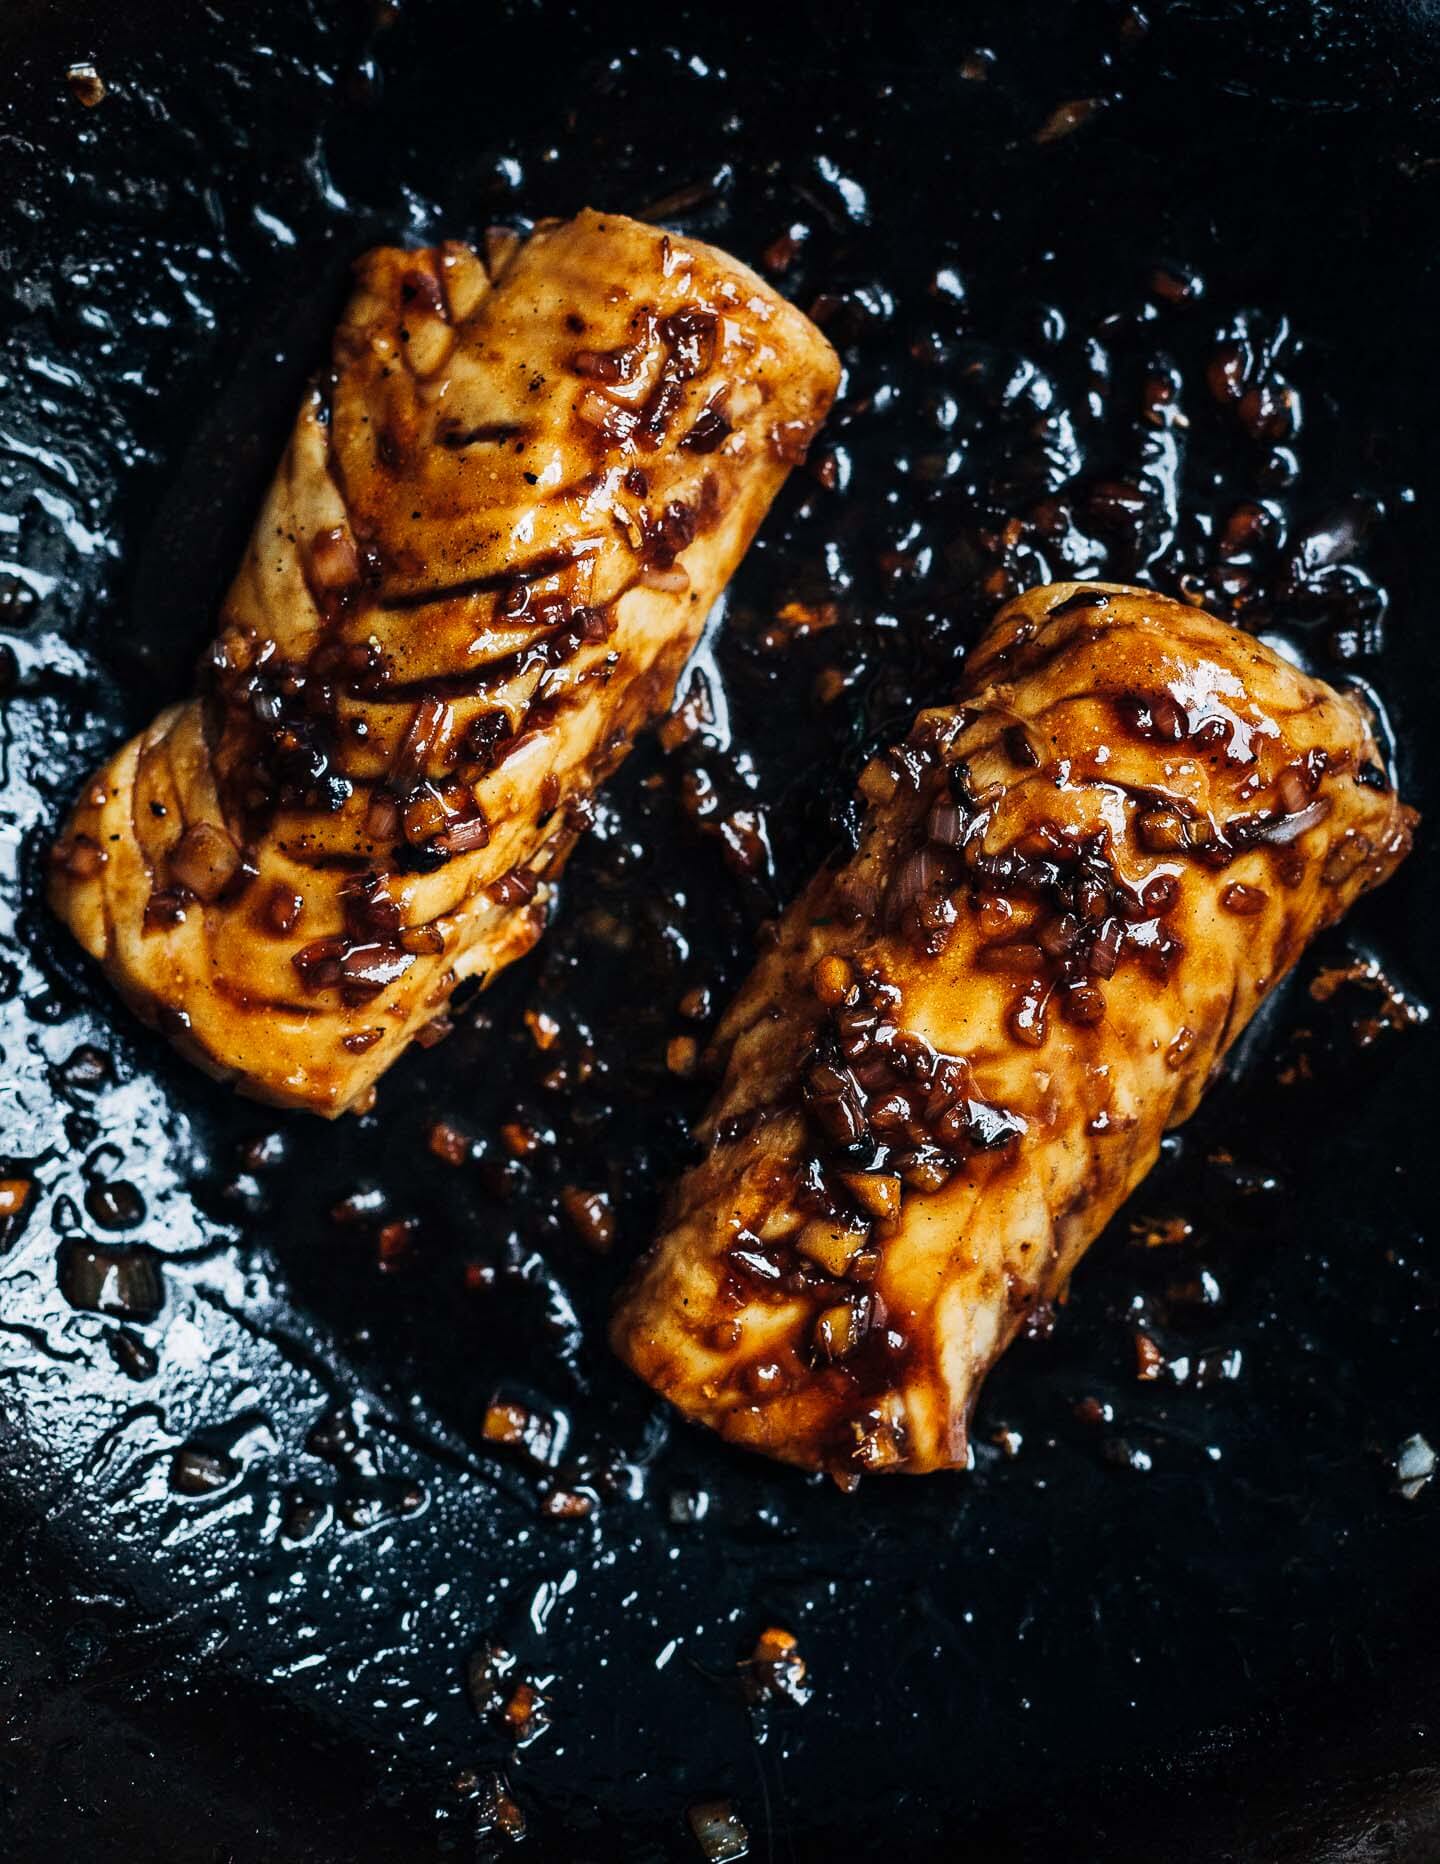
x,y
878,781
319,962
466,837
1291,827
914,878
832,980
1105,952
1246,901
382,817
607,417
424,817
832,1243
374,966
840,1328
591,1215
945,825
428,730
514,888
877,1193
205,860
1164,830
925,1169
879,1435
1291,791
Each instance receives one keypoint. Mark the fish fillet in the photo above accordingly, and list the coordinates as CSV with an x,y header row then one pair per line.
x,y
1074,886
489,549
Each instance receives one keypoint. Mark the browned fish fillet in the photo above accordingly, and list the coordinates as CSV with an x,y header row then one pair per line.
x,y
1072,890
488,551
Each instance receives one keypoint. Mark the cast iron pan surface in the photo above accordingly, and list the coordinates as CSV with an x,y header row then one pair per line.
x,y
251,1530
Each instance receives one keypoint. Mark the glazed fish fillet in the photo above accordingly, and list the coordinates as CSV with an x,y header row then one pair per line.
x,y
1072,890
487,553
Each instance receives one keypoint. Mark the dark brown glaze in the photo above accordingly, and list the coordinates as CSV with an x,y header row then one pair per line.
x,y
479,570
1073,889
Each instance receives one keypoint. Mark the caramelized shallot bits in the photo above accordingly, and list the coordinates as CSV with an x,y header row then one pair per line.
x,y
1073,888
